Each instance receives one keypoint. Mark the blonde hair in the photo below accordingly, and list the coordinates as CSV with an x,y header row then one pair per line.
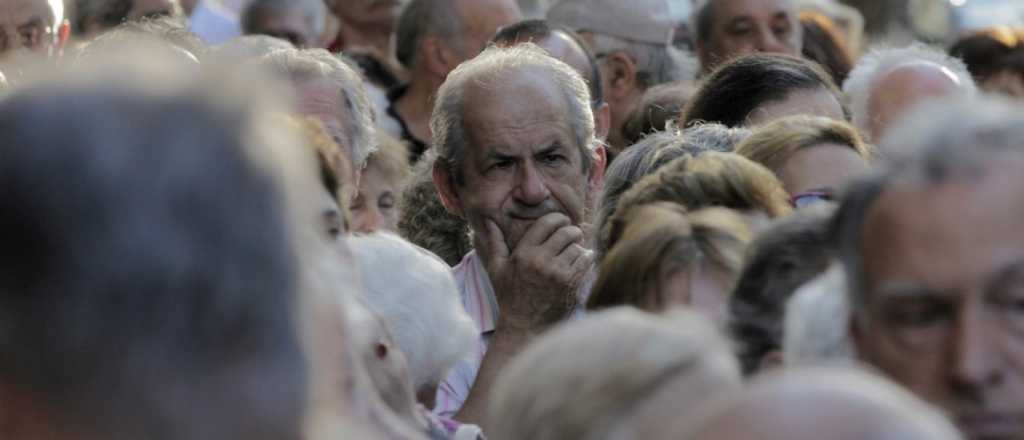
x,y
660,239
392,160
774,143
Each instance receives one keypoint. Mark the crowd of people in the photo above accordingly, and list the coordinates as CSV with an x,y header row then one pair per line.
x,y
471,219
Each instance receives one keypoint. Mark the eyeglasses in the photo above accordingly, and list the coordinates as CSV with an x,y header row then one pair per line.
x,y
810,198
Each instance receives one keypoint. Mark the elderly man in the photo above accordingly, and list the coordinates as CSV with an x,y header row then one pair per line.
x,y
29,25
632,42
299,22
96,272
517,158
726,29
802,404
887,83
328,89
934,255
567,47
434,36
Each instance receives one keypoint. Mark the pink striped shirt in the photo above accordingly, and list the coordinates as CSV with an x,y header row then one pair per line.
x,y
478,298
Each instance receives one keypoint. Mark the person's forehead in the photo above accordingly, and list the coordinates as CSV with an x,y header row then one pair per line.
x,y
727,10
20,12
518,106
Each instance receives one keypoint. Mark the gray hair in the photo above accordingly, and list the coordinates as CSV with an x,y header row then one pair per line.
x,y
655,63
817,322
314,10
248,47
420,18
649,155
420,305
958,139
306,64
882,60
495,64
583,381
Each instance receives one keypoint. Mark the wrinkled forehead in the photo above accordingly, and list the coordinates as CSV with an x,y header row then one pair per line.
x,y
22,12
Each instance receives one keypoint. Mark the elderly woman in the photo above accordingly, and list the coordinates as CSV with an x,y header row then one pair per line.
x,y
386,174
585,380
812,156
667,258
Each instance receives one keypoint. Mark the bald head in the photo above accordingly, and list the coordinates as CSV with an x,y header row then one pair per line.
x,y
847,404
899,89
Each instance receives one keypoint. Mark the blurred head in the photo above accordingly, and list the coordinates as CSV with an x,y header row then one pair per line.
x,y
664,258
420,305
93,17
169,33
936,297
514,135
659,108
649,155
582,380
756,89
386,174
781,259
825,44
712,179
364,13
330,90
334,175
435,36
28,25
803,403
299,22
887,83
101,343
995,58
727,29
813,157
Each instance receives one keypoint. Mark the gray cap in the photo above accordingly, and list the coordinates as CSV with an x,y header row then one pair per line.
x,y
646,21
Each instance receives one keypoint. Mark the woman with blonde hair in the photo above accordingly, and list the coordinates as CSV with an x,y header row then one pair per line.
x,y
666,258
385,177
812,156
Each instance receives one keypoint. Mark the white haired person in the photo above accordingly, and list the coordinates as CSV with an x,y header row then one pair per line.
x,y
414,293
815,329
888,82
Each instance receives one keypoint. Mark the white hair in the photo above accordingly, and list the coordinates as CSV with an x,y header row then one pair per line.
x,y
879,61
495,64
415,293
306,64
817,321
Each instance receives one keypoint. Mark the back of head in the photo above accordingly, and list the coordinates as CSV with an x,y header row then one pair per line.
x,y
601,391
420,19
712,179
249,47
658,110
825,44
780,260
165,33
735,89
420,305
149,285
801,403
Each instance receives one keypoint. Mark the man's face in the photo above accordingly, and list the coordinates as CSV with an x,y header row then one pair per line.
x,y
481,19
944,296
150,9
743,27
289,24
521,160
321,99
25,25
366,12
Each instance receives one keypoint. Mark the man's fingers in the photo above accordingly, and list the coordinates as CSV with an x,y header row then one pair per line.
x,y
562,239
493,242
583,262
542,228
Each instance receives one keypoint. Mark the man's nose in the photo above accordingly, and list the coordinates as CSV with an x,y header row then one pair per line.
x,y
768,42
975,354
371,220
531,189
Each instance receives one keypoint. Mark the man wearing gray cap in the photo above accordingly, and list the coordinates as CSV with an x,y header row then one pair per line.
x,y
631,41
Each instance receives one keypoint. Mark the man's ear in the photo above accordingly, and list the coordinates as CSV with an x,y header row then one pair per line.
x,y
596,180
622,80
438,58
602,121
445,183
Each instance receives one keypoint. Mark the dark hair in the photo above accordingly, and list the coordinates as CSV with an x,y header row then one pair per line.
x,y
659,105
783,258
420,18
990,51
729,94
147,282
537,29
825,45
701,20
105,13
